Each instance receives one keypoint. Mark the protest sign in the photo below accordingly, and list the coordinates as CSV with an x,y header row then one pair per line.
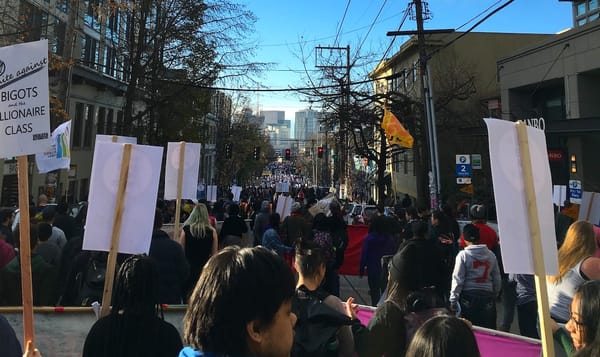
x,y
189,170
590,207
211,193
139,197
284,206
236,190
24,99
523,193
58,154
559,195
116,139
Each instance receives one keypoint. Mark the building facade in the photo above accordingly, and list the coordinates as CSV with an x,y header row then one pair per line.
x,y
555,85
463,73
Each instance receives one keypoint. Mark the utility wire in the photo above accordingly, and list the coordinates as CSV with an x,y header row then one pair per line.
x,y
371,27
449,43
335,42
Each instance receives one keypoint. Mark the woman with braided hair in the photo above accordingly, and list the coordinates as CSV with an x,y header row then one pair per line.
x,y
133,327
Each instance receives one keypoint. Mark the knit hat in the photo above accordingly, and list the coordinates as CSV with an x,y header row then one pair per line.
x,y
478,211
296,206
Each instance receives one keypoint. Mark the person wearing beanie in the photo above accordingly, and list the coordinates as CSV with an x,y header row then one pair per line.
x,y
475,281
487,235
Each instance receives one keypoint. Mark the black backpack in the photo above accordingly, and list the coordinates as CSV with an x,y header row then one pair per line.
x,y
315,333
90,282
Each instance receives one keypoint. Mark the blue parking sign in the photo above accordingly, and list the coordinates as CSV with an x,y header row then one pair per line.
x,y
463,170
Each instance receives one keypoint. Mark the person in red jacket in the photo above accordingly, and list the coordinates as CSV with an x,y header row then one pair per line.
x,y
487,235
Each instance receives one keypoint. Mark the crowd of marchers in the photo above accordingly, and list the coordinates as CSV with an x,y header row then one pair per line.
x,y
279,295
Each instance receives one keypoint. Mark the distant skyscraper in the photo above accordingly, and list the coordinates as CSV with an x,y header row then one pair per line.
x,y
272,117
306,124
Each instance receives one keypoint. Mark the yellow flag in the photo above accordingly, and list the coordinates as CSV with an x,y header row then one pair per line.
x,y
395,132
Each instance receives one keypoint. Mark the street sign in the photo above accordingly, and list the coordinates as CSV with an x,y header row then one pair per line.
x,y
463,166
463,180
476,161
575,191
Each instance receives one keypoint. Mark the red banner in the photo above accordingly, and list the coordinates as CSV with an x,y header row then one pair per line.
x,y
356,235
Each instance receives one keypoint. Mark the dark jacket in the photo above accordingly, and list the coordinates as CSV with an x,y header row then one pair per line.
x,y
294,227
386,335
43,280
374,247
173,267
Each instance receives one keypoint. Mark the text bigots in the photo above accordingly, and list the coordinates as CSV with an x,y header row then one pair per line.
x,y
24,101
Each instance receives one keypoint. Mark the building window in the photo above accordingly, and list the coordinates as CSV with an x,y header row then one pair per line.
x,y
119,128
406,164
89,51
109,122
101,127
84,189
88,125
580,9
78,125
91,14
57,42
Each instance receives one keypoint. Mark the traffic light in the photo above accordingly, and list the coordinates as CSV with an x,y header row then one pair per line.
x,y
228,151
320,152
288,154
256,152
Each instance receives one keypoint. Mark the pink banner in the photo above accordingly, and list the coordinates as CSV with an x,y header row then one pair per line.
x,y
490,345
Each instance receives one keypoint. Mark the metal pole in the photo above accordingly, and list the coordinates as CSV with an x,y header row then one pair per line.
x,y
435,164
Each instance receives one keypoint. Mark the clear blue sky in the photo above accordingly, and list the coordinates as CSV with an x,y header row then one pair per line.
x,y
284,27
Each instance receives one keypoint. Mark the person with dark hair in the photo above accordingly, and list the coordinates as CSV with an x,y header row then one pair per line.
x,y
310,264
63,220
584,323
11,346
475,281
173,267
261,220
7,251
487,235
412,216
420,249
43,277
133,327
377,243
7,217
233,228
410,301
241,306
271,238
49,251
339,239
444,336
199,241
58,236
295,226
443,236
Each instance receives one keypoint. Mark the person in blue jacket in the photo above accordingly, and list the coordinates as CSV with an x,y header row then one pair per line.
x,y
241,306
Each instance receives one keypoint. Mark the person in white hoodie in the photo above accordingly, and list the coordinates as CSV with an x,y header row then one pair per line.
x,y
475,281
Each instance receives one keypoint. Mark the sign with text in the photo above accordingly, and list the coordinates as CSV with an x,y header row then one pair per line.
x,y
116,139
191,167
24,99
139,199
463,167
575,191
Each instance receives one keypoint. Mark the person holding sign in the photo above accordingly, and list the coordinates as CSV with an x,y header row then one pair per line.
x,y
241,306
133,328
576,265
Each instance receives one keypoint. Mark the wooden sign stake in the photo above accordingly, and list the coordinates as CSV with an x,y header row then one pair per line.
x,y
536,240
25,251
116,232
179,189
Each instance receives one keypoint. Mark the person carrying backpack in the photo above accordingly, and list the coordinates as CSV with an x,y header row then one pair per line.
x,y
323,325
